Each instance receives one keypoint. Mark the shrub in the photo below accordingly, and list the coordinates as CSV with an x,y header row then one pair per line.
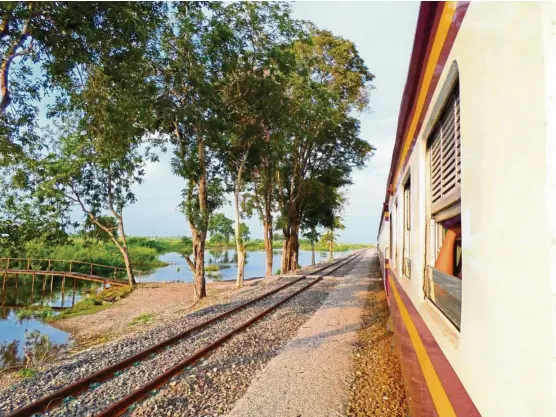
x,y
35,312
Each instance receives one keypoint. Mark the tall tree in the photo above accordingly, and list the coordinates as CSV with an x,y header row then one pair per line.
x,y
47,46
332,81
189,73
254,94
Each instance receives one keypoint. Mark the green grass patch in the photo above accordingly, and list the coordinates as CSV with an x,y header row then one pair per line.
x,y
141,319
95,303
27,372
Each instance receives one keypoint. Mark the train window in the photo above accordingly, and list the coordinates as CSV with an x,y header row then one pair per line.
x,y
445,156
443,281
406,267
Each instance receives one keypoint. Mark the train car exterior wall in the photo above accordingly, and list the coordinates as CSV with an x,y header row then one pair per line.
x,y
504,60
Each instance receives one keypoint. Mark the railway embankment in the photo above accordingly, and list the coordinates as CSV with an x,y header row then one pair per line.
x,y
312,375
228,370
377,388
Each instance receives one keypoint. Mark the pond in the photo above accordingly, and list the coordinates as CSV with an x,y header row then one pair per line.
x,y
29,334
226,260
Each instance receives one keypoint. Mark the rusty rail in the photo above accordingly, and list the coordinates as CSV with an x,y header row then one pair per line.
x,y
120,407
79,386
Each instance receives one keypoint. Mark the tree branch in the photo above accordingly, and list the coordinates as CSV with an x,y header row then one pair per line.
x,y
5,67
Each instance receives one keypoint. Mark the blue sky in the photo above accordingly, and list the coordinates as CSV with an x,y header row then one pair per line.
x,y
383,33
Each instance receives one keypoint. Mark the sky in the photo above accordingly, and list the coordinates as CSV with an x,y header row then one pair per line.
x,y
383,34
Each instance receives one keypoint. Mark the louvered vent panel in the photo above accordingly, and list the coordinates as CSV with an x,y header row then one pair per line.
x,y
445,151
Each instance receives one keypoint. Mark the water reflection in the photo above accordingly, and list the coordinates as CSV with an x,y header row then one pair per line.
x,y
38,349
226,260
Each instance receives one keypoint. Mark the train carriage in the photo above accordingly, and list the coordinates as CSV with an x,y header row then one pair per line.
x,y
467,238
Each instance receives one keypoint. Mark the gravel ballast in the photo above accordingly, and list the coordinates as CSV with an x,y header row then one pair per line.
x,y
377,388
90,361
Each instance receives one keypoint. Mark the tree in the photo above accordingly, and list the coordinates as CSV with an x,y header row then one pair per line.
x,y
318,210
94,177
220,228
23,218
48,46
244,232
331,83
189,71
253,95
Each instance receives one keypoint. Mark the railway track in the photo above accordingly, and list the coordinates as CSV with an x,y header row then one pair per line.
x,y
106,391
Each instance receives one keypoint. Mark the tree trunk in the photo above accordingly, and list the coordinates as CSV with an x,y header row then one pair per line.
x,y
125,252
268,247
312,252
240,247
293,245
285,254
199,252
201,235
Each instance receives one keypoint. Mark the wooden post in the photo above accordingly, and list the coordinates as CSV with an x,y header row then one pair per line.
x,y
74,288
63,284
70,265
8,264
33,289
28,264
51,286
114,272
4,288
91,269
48,265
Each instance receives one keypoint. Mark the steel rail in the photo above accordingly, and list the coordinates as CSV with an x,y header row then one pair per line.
x,y
77,387
121,406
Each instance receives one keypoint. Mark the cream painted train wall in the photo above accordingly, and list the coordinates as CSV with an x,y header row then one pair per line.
x,y
505,353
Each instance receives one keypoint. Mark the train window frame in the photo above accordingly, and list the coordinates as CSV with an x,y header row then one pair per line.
x,y
406,229
443,290
395,238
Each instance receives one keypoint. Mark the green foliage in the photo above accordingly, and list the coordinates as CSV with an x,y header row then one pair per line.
x,y
220,228
27,372
35,312
48,47
212,268
94,232
244,232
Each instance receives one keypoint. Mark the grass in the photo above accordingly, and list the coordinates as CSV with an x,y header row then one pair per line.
x,y
212,268
95,303
44,312
142,319
27,372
